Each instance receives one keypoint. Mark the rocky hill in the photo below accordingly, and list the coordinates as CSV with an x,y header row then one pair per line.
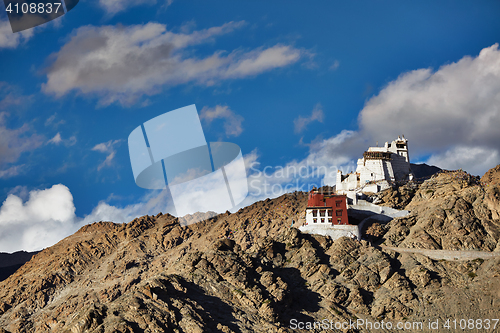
x,y
195,218
253,271
450,211
423,170
492,177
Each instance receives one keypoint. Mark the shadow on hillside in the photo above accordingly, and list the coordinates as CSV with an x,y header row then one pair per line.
x,y
299,300
213,310
11,262
5,272
320,250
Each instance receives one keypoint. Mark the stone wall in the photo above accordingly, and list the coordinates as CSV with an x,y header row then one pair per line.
x,y
400,166
334,232
351,182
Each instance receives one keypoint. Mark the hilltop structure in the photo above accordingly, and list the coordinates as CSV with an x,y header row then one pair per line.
x,y
379,167
326,214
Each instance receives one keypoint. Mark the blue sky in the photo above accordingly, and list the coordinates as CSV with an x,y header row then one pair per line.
x,y
292,83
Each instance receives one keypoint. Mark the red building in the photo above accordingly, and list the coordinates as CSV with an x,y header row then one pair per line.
x,y
326,208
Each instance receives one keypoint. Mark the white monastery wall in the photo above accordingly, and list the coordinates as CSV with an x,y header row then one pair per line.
x,y
378,169
335,232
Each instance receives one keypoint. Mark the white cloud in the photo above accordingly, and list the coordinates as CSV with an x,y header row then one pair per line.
x,y
38,219
317,169
105,212
335,65
43,217
460,101
189,175
301,123
21,191
232,121
12,171
71,141
124,63
113,7
9,99
43,220
472,159
109,149
451,115
51,121
57,140
457,105
11,96
261,60
14,142
48,216
152,203
11,40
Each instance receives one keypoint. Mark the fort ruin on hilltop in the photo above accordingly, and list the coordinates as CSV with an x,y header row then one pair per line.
x,y
377,170
327,212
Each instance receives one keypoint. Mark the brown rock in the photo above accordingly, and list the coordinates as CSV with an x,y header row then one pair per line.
x,y
251,272
492,176
450,211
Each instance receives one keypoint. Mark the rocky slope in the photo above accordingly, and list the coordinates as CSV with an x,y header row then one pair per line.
x,y
492,177
252,271
195,218
423,170
450,211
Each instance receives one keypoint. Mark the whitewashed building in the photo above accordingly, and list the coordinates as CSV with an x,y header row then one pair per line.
x,y
326,214
379,167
